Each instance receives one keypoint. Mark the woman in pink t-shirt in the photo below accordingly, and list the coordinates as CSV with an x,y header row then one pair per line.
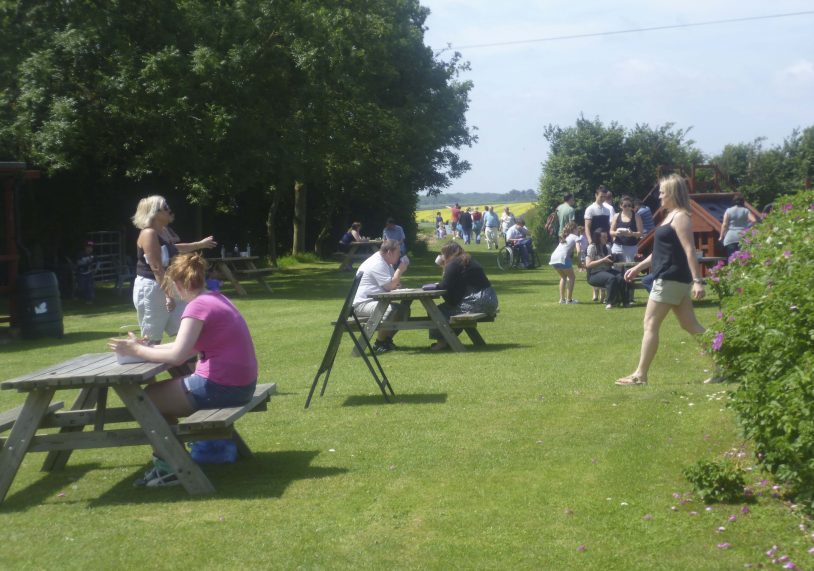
x,y
213,329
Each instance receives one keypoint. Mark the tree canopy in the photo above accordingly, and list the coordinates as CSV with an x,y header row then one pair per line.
x,y
232,102
591,153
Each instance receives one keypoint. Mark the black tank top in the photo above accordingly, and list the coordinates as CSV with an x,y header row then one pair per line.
x,y
669,260
143,269
631,225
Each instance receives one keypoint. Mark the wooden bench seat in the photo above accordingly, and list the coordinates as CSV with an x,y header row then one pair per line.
x,y
467,319
220,418
8,417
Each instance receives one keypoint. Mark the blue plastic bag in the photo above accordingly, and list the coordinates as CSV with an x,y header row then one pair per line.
x,y
214,451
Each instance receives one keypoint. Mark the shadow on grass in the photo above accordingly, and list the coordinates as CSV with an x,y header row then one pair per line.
x,y
488,348
46,487
265,475
418,398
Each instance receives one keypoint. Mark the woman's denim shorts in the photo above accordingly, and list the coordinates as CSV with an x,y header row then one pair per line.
x,y
205,394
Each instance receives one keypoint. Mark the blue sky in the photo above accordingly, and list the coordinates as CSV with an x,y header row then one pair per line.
x,y
730,83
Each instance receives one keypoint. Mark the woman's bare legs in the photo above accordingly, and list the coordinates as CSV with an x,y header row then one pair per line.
x,y
686,317
170,398
653,317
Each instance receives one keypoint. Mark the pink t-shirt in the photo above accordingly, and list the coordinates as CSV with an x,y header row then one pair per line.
x,y
226,351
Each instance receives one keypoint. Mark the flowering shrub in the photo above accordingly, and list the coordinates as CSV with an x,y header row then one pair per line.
x,y
764,340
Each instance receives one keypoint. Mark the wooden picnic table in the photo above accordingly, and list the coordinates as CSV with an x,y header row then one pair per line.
x,y
346,263
234,267
434,320
94,374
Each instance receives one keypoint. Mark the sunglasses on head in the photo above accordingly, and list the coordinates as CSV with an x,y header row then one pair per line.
x,y
166,208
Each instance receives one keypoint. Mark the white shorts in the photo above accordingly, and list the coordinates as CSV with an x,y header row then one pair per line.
x,y
151,308
670,292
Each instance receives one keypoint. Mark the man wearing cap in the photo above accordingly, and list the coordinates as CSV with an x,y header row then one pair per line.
x,y
518,236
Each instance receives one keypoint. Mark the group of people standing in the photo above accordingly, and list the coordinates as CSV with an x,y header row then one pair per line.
x,y
608,238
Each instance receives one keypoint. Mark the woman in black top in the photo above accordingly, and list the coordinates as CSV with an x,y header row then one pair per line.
x,y
626,229
676,273
157,306
602,274
468,290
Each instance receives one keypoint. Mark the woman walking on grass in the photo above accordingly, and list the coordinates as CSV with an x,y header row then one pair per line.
x,y
677,275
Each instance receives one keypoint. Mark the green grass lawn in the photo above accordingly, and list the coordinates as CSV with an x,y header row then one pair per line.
x,y
510,456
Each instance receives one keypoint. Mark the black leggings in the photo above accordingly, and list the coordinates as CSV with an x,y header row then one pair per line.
x,y
618,290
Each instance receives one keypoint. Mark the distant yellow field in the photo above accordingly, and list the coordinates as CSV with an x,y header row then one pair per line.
x,y
517,208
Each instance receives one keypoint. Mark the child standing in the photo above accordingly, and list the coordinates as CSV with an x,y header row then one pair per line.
x,y
561,260
583,247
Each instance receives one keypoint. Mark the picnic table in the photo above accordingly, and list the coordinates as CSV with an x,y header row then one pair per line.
x,y
347,258
94,374
234,267
434,320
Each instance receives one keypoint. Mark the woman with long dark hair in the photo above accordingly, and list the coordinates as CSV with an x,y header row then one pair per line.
x,y
468,290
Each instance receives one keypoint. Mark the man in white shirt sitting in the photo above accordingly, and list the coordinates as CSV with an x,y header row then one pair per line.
x,y
517,235
378,276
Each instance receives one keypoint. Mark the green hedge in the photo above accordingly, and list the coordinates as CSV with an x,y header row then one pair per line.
x,y
764,340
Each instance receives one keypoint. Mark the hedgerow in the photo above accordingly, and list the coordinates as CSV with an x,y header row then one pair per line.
x,y
764,340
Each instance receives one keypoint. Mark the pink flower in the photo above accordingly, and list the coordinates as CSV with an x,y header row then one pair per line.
x,y
733,517
718,341
582,548
788,206
745,510
720,315
790,565
787,254
772,552
724,545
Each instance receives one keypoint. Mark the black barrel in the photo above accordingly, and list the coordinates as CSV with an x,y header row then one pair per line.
x,y
39,305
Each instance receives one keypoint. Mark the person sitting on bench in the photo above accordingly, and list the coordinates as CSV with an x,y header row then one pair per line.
x,y
378,276
212,328
468,290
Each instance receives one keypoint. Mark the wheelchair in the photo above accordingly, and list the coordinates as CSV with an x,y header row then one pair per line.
x,y
508,258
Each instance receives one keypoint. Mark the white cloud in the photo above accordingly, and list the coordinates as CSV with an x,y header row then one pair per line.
x,y
798,74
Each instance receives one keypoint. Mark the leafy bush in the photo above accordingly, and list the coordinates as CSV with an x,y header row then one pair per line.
x,y
764,340
716,481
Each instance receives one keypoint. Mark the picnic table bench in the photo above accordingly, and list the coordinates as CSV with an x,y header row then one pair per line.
x,y
232,268
94,374
347,258
434,320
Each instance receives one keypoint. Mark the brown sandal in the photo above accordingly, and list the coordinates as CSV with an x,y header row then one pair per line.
x,y
630,380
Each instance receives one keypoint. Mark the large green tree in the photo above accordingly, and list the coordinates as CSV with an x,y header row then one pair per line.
x,y
232,103
762,174
590,153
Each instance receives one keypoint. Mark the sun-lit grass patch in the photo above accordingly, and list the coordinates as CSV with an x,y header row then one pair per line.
x,y
519,455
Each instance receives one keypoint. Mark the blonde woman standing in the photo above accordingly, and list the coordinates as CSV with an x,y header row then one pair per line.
x,y
157,308
677,275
